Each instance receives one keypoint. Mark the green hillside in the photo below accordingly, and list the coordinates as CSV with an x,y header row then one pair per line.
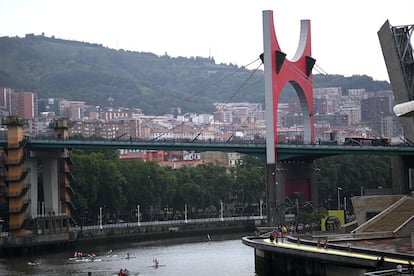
x,y
92,73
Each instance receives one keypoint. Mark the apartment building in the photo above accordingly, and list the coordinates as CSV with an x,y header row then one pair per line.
x,y
23,104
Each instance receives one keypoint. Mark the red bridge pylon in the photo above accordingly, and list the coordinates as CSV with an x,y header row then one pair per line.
x,y
278,72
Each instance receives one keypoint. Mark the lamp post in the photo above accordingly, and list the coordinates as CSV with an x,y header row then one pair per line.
x,y
345,203
261,208
100,218
185,213
339,198
221,210
138,215
297,206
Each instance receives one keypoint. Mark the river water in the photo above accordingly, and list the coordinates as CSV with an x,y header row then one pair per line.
x,y
222,255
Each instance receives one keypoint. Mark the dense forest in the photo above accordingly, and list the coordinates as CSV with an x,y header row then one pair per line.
x,y
157,84
102,180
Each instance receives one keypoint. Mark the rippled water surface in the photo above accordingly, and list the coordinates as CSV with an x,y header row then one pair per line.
x,y
176,257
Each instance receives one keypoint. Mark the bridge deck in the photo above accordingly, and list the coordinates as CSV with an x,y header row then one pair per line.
x,y
283,151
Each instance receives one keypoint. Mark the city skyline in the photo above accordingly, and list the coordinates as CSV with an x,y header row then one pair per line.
x,y
360,114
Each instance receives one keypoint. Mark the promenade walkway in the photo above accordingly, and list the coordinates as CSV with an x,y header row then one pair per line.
x,y
358,253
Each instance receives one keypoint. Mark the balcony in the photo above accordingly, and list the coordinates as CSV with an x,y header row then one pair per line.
x,y
70,190
70,176
19,193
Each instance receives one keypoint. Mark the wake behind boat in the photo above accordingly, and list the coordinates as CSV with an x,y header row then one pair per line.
x,y
79,257
33,263
111,256
88,259
156,263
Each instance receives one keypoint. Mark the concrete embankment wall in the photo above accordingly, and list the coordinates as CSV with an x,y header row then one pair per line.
x,y
155,232
35,243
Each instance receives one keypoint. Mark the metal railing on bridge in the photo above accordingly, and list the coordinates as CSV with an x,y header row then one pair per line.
x,y
284,151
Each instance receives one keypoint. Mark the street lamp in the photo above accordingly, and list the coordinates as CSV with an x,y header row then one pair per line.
x,y
339,198
261,208
138,215
185,213
345,204
221,210
100,218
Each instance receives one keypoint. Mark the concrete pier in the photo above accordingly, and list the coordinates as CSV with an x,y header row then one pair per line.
x,y
297,255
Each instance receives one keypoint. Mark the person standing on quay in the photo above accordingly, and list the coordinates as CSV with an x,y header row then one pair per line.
x,y
410,267
399,269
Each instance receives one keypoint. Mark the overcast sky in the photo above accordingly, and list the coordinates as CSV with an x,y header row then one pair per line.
x,y
344,33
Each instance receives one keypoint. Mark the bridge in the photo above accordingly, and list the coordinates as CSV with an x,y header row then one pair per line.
x,y
295,161
24,155
284,152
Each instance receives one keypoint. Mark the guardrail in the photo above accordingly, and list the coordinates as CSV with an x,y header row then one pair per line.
x,y
389,272
164,222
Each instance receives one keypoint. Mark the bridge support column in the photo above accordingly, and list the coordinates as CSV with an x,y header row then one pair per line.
x,y
49,162
402,174
50,186
64,181
275,190
301,177
271,193
286,179
17,185
34,188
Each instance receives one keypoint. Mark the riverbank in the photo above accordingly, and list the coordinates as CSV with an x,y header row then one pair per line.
x,y
161,232
36,243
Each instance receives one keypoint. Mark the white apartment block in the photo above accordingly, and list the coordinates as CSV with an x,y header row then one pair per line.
x,y
357,94
333,96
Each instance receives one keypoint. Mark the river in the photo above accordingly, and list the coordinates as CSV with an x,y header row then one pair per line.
x,y
222,255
